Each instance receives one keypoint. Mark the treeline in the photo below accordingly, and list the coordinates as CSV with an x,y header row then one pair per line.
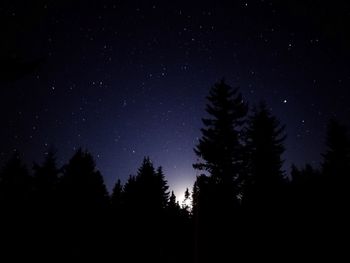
x,y
244,206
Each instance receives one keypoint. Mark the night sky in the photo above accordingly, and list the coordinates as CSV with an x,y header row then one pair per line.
x,y
126,79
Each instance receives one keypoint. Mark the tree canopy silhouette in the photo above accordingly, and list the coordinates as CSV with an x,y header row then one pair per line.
x,y
221,157
145,202
82,185
83,207
264,146
241,196
220,145
148,189
220,148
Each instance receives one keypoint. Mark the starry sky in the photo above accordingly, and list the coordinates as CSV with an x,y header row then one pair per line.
x,y
126,79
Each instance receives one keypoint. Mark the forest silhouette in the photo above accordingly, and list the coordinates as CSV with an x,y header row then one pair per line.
x,y
244,206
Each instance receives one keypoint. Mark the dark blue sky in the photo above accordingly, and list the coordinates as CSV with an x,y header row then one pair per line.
x,y
126,79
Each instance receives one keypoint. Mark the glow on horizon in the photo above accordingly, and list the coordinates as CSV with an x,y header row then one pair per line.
x,y
179,191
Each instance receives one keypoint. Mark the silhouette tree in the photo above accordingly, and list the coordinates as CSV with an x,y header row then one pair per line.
x,y
186,209
220,148
162,188
148,190
200,189
173,206
264,188
221,156
126,219
264,145
209,223
179,247
145,198
84,205
187,194
81,185
320,199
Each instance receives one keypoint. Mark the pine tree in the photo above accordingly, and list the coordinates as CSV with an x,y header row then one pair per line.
x,y
84,206
162,188
187,194
179,228
81,185
146,199
173,205
221,157
220,148
220,144
265,137
149,187
174,212
172,199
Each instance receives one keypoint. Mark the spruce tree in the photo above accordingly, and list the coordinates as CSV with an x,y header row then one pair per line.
x,y
161,188
146,199
84,204
221,158
173,205
220,148
81,186
264,145
148,189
